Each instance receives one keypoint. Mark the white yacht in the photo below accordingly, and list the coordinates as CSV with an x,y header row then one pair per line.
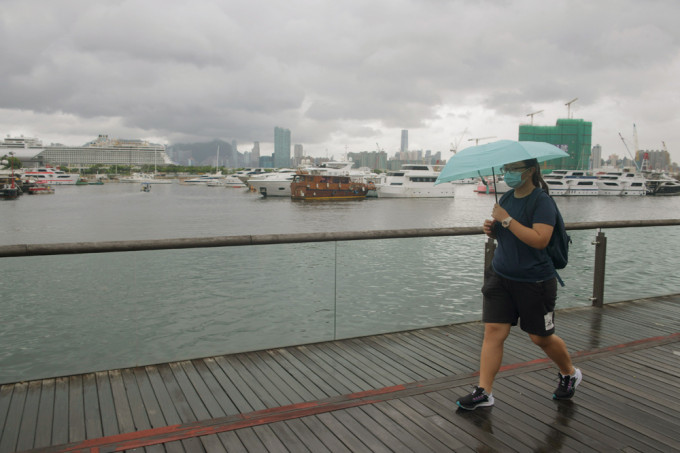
x,y
274,184
229,181
206,178
621,183
571,183
414,181
145,178
52,176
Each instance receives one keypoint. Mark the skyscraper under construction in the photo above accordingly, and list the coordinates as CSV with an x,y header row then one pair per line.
x,y
571,135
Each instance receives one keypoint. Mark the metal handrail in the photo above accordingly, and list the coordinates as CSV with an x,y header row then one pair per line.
x,y
69,248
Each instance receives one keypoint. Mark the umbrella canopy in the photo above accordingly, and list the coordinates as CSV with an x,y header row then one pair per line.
x,y
487,159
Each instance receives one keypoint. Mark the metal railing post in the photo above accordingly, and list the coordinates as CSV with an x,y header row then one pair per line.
x,y
600,244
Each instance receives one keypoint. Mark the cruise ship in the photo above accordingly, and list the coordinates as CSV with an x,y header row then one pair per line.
x,y
102,150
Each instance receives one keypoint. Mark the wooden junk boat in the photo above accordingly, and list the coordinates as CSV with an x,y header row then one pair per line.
x,y
306,186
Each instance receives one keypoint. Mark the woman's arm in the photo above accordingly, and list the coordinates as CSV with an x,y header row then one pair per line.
x,y
537,237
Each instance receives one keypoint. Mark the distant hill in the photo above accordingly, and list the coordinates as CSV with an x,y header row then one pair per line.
x,y
205,153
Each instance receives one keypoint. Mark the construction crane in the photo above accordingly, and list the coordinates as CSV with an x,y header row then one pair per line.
x,y
629,153
476,140
568,104
532,116
454,147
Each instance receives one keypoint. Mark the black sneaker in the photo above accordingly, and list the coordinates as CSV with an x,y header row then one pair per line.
x,y
567,386
478,398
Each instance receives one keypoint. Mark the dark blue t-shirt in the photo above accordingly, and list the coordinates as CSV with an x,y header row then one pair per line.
x,y
515,260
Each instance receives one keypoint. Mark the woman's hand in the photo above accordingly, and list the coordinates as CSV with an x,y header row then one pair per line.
x,y
499,213
488,228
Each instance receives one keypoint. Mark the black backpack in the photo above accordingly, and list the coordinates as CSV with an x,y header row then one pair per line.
x,y
558,247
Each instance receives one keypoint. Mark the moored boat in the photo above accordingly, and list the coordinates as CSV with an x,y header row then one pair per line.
x,y
307,186
145,177
414,181
42,189
662,185
53,176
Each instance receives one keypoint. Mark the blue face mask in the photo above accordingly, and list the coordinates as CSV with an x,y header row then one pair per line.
x,y
513,178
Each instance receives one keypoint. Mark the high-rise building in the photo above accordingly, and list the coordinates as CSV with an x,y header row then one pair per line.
x,y
404,141
255,155
596,157
281,147
571,135
297,154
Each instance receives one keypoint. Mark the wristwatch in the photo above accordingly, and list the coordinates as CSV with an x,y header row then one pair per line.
x,y
506,222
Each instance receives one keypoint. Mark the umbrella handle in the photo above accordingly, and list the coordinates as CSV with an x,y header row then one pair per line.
x,y
495,192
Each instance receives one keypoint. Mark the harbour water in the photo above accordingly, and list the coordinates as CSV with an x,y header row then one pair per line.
x,y
69,314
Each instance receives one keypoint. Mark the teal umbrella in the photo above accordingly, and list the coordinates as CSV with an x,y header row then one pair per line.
x,y
488,159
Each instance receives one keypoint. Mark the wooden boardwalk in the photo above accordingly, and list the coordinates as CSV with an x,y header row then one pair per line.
x,y
384,393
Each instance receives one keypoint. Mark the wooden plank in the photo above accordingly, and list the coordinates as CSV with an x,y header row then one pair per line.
x,y
263,379
174,405
526,428
93,417
231,442
366,356
380,423
312,391
377,352
140,416
328,437
241,404
43,433
6,391
472,435
261,399
433,437
307,373
348,378
60,423
249,397
29,417
120,401
287,375
10,432
364,377
269,439
376,439
322,370
107,407
250,440
192,398
76,411
289,388
305,435
348,438
204,392
598,429
215,388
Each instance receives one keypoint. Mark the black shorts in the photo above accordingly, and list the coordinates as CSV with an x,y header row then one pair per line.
x,y
533,303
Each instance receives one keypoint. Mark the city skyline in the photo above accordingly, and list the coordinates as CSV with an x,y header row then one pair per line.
x,y
450,73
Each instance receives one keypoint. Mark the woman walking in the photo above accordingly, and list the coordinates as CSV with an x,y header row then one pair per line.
x,y
520,286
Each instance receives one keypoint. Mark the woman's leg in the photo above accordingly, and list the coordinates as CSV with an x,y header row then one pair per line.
x,y
555,348
492,353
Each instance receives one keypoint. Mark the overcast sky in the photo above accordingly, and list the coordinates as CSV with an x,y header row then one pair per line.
x,y
341,75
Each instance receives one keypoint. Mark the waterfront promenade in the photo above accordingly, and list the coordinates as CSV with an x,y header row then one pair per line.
x,y
393,392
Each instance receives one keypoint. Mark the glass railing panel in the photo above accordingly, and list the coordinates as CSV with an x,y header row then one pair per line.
x,y
76,313
390,285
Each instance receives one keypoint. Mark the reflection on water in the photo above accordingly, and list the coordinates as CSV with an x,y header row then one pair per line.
x,y
68,314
